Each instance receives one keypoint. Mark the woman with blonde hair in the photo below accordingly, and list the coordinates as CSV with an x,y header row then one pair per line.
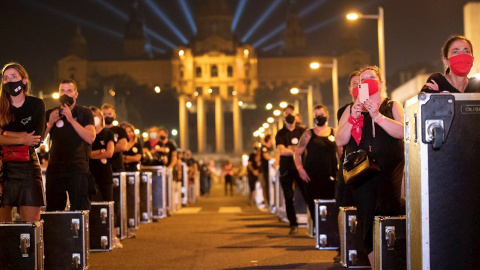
x,y
21,116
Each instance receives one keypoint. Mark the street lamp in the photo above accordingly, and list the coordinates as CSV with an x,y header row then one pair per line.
x,y
309,91
381,37
334,67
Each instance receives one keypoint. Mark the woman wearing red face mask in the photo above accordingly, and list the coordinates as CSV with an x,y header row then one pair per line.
x,y
381,118
457,56
133,155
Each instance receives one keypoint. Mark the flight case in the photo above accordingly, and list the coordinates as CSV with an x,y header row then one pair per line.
x,y
352,253
326,224
67,239
159,190
145,197
101,226
133,200
390,242
120,199
442,144
21,245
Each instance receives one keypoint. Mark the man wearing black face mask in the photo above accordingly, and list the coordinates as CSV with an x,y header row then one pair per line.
x,y
72,132
120,138
286,141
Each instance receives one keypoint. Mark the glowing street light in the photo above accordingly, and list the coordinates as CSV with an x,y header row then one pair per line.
x,y
174,132
55,95
381,37
270,120
188,104
277,112
115,123
309,91
294,91
157,89
136,131
145,135
269,106
283,104
265,125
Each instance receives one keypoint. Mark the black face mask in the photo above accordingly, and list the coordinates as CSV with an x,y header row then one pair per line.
x,y
14,88
290,119
320,120
162,138
109,120
66,100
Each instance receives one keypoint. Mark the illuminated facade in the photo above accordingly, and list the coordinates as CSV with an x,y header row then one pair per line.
x,y
213,71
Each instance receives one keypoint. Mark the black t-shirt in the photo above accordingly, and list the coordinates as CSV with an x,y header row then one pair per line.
x,y
253,159
28,117
117,158
102,168
134,150
170,148
473,85
69,152
287,138
159,157
264,162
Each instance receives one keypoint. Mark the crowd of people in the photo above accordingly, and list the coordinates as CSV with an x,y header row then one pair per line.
x,y
85,148
312,160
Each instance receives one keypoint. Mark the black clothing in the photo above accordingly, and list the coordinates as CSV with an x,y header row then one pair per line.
x,y
229,182
68,168
288,171
473,85
42,156
22,181
343,192
101,169
252,179
117,158
170,148
321,167
69,152
134,150
205,179
29,117
159,157
380,195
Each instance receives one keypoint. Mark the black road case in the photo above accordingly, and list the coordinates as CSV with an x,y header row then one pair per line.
x,y
326,224
159,190
120,199
352,253
133,199
390,243
101,226
21,245
442,142
66,235
145,197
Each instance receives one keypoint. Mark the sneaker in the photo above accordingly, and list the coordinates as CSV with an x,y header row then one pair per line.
x,y
116,243
293,230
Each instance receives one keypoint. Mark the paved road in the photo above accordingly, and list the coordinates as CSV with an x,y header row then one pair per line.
x,y
217,232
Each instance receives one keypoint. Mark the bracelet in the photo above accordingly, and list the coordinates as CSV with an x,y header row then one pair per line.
x,y
379,119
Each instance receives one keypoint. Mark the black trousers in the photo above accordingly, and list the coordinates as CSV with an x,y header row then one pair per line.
x,y
76,184
229,181
287,178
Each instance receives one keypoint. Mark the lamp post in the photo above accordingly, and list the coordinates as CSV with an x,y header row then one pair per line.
x,y
334,67
381,37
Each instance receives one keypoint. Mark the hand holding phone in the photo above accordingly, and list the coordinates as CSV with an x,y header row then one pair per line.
x,y
363,93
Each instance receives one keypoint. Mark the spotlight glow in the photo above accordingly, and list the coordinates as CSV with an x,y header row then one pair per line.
x,y
188,15
261,129
174,132
136,131
145,135
269,106
157,89
283,104
265,125
270,34
166,20
277,112
270,120
238,14
352,16
115,123
188,104
55,95
261,20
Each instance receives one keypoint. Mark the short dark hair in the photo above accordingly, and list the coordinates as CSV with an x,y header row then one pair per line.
x,y
353,74
70,80
289,106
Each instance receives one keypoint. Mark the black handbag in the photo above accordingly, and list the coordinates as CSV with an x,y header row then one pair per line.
x,y
360,164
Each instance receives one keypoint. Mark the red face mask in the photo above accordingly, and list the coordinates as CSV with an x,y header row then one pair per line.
x,y
461,64
372,88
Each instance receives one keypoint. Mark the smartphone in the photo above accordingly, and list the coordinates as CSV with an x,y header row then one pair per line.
x,y
363,92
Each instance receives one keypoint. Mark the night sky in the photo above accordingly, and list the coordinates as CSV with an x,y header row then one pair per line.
x,y
36,32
